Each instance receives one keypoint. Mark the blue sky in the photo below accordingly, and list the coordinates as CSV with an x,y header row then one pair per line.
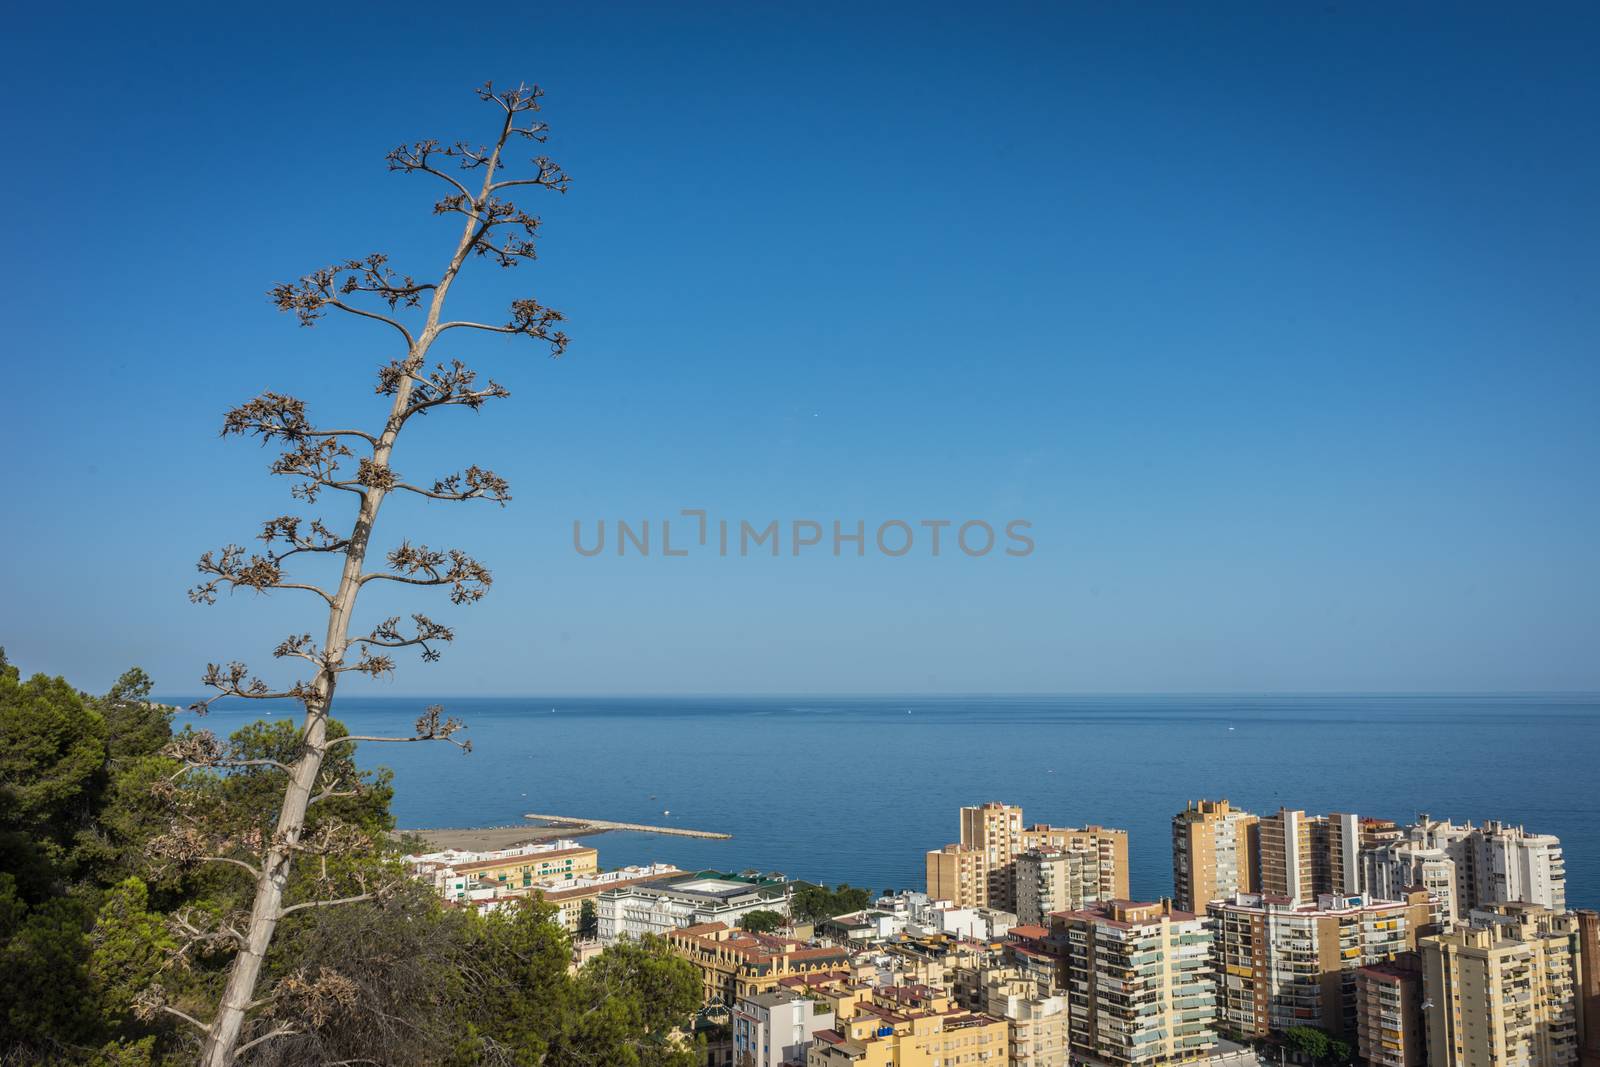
x,y
1278,322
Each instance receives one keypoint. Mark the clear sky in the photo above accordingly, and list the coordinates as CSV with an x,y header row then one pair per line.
x,y
1278,322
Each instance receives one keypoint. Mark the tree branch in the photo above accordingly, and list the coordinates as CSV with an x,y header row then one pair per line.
x,y
292,908
186,1017
254,873
342,306
277,1031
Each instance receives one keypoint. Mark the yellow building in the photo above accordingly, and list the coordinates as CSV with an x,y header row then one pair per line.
x,y
958,873
735,964
524,871
1504,990
1109,847
1139,983
1214,848
908,1026
981,869
1283,963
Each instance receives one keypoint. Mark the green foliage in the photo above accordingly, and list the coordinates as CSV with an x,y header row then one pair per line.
x,y
138,1053
588,921
130,943
761,921
626,1007
631,999
88,912
1316,1045
52,768
814,903
251,795
526,992
46,999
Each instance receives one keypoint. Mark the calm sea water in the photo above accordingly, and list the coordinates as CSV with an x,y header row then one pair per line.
x,y
857,789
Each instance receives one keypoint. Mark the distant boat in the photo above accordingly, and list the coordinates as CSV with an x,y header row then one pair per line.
x,y
664,811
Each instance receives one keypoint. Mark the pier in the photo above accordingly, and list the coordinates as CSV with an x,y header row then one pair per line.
x,y
581,825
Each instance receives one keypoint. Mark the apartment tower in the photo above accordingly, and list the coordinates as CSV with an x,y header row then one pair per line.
x,y
1503,990
1214,850
1589,990
1496,863
958,874
995,831
1303,857
981,869
1283,963
1108,847
1390,1025
1048,881
1139,988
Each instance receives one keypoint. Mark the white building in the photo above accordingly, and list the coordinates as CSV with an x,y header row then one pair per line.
x,y
1393,868
1496,863
1511,864
978,924
775,1028
633,911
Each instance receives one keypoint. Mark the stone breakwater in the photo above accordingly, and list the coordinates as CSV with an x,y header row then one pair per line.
x,y
581,826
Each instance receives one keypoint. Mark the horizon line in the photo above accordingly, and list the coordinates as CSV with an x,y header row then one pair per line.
x,y
908,695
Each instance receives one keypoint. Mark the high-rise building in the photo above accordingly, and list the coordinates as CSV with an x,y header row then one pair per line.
x,y
1496,863
1390,1028
957,873
1502,989
1589,990
1286,855
1108,847
995,831
1391,869
1303,857
1283,963
981,869
1139,987
1048,881
1510,864
1336,847
1214,849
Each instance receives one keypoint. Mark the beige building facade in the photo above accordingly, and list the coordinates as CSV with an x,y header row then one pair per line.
x,y
1139,985
1214,850
1282,963
1502,990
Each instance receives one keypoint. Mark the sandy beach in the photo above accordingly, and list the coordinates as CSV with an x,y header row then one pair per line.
x,y
488,838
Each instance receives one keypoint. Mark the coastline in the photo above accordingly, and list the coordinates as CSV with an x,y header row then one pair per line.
x,y
491,838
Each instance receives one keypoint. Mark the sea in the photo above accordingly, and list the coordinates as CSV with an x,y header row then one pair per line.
x,y
857,789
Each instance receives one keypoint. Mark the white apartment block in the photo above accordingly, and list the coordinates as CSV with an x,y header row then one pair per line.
x,y
1392,869
776,1028
632,911
1496,863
